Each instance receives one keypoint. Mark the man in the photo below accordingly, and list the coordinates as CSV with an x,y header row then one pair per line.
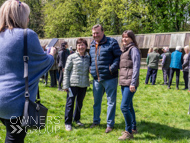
x,y
71,50
176,66
152,62
61,60
166,59
53,71
105,57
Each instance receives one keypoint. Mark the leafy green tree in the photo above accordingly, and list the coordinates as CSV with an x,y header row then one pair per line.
x,y
168,15
67,18
74,18
36,22
108,16
134,15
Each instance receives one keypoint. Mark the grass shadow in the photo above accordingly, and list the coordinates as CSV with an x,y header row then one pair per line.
x,y
154,131
148,131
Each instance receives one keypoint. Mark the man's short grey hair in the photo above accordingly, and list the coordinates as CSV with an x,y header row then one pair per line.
x,y
98,25
179,48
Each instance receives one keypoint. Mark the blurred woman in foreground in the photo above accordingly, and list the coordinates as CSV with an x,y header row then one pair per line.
x,y
14,18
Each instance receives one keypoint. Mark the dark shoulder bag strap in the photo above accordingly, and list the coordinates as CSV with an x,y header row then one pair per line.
x,y
26,58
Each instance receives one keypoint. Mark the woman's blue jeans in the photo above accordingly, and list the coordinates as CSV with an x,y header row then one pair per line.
x,y
127,108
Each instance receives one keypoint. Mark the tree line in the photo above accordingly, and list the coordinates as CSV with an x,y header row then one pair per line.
x,y
75,18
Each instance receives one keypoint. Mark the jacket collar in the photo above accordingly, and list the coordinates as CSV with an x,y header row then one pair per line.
x,y
123,49
103,41
85,55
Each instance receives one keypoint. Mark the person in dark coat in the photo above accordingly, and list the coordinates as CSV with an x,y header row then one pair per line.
x,y
53,71
166,59
105,56
61,60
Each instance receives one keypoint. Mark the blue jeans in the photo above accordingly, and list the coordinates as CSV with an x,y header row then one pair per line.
x,y
110,87
127,108
153,73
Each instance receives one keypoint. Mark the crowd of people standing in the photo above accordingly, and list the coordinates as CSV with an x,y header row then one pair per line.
x,y
102,62
171,63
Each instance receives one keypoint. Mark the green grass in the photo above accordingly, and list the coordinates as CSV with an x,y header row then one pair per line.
x,y
161,116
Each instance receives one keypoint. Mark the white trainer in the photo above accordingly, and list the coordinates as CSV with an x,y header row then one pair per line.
x,y
68,127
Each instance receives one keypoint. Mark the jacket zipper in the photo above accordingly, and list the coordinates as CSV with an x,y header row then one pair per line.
x,y
83,66
96,62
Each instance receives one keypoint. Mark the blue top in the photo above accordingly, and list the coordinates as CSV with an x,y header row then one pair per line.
x,y
176,60
12,82
105,60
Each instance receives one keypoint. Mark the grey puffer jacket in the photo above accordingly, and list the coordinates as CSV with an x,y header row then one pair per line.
x,y
76,71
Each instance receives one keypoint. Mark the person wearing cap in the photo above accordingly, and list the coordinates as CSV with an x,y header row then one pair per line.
x,y
166,59
152,62
175,66
150,50
186,69
71,50
61,60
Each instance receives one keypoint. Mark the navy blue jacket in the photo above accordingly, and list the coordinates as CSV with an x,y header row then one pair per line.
x,y
62,57
105,61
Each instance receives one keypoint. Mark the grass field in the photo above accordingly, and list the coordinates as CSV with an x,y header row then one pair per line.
x,y
161,116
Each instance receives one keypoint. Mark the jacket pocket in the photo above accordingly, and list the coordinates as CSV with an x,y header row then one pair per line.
x,y
74,79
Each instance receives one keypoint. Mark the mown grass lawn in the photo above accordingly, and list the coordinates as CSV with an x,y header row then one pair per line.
x,y
161,116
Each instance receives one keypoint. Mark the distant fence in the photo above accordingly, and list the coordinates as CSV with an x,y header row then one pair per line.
x,y
145,41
